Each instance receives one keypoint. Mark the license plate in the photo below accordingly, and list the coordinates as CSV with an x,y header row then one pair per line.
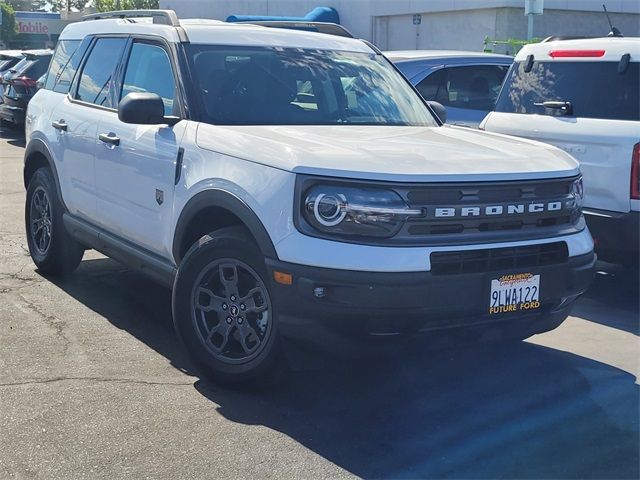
x,y
514,293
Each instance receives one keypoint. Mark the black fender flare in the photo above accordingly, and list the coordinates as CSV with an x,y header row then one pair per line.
x,y
222,199
38,146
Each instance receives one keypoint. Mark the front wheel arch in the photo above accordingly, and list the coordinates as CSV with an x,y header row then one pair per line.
x,y
225,209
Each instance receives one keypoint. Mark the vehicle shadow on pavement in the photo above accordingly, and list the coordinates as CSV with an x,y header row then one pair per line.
x,y
498,410
616,289
13,135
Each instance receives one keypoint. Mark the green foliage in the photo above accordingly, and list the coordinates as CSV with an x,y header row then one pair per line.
x,y
67,5
108,5
26,5
8,27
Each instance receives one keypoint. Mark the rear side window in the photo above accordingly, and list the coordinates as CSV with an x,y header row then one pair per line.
x,y
96,80
7,64
37,68
20,66
595,89
473,87
432,85
149,70
63,66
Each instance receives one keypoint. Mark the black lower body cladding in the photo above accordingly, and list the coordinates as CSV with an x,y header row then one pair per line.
x,y
12,114
365,303
617,235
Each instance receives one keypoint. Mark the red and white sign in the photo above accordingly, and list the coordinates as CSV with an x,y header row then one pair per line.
x,y
32,27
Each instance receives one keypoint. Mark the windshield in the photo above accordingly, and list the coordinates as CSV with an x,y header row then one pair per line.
x,y
594,89
291,86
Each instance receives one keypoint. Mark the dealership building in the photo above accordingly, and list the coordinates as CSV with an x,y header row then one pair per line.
x,y
437,24
37,29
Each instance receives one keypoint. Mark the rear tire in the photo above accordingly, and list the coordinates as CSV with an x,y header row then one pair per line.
x,y
52,249
223,310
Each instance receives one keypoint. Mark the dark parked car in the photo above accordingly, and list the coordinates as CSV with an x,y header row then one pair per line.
x,y
8,59
20,84
466,83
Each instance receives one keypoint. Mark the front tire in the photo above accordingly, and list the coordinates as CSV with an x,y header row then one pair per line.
x,y
223,310
52,249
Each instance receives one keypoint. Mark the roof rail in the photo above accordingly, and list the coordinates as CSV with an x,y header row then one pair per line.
x,y
165,17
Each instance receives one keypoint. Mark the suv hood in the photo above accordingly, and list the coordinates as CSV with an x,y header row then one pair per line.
x,y
390,153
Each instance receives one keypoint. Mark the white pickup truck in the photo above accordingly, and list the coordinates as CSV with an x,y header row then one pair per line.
x,y
583,97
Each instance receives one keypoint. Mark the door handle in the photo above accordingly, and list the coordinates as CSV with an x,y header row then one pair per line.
x,y
60,125
110,138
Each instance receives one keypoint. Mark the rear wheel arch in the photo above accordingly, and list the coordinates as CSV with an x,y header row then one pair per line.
x,y
211,210
36,156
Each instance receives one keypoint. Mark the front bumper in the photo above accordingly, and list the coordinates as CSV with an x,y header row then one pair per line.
x,y
373,303
617,235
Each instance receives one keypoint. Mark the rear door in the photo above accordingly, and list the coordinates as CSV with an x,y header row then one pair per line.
x,y
599,132
75,120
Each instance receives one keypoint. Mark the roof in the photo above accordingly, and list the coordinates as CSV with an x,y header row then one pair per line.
x,y
256,35
215,32
406,55
36,53
614,48
7,54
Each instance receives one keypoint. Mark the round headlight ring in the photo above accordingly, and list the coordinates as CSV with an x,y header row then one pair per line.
x,y
335,212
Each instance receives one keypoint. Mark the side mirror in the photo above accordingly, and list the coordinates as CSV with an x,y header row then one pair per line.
x,y
439,110
143,108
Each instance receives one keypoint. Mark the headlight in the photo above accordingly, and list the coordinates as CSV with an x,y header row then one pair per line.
x,y
577,192
367,212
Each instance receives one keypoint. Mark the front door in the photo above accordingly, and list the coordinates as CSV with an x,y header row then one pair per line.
x,y
136,164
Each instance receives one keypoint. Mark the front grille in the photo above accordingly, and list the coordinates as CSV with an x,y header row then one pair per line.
x,y
496,259
488,211
488,192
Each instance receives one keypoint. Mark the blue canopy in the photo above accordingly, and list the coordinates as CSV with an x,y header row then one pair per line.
x,y
318,14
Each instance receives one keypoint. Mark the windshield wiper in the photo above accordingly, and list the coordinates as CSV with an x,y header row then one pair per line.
x,y
565,107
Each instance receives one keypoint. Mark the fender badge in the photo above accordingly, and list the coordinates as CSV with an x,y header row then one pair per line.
x,y
159,196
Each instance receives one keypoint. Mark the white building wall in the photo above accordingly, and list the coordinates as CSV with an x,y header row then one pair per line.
x,y
443,30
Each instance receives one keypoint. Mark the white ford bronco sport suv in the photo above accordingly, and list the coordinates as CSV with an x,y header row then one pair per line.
x,y
583,96
285,182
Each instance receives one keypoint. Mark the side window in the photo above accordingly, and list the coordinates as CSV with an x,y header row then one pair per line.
x,y
474,87
149,70
431,85
95,81
63,66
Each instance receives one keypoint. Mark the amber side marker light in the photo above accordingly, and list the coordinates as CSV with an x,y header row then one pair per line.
x,y
576,53
283,278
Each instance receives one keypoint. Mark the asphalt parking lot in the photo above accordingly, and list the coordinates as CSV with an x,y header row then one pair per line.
x,y
93,384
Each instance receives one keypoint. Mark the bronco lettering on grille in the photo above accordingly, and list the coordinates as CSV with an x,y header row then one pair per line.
x,y
493,210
